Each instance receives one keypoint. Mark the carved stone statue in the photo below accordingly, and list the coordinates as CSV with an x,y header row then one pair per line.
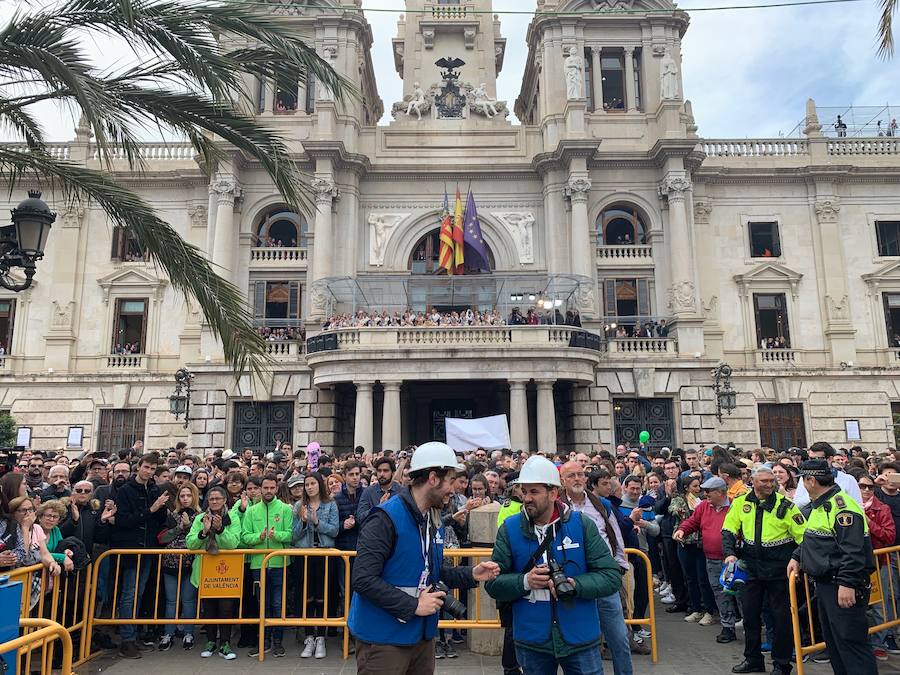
x,y
483,103
417,102
381,225
574,71
668,77
682,297
521,226
62,314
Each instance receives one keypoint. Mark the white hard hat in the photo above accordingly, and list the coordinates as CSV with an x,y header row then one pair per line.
x,y
433,455
538,470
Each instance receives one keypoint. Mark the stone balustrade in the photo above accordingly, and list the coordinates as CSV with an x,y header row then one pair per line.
x,y
2,362
276,256
125,361
636,347
780,357
284,350
755,147
165,152
881,145
628,254
448,12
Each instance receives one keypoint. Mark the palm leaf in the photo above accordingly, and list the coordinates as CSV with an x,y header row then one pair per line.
x,y
886,28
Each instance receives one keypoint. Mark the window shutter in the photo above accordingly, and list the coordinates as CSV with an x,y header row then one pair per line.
x,y
643,293
118,236
294,300
12,324
756,314
142,348
782,312
610,286
259,299
310,93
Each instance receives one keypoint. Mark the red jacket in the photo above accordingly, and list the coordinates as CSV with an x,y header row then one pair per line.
x,y
881,524
709,521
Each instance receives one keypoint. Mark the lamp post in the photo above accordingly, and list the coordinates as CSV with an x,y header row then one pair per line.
x,y
726,397
180,399
22,243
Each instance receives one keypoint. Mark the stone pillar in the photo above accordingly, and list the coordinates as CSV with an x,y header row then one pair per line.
x,y
323,238
577,190
682,295
629,79
268,95
518,415
597,73
227,190
390,420
483,532
363,433
546,417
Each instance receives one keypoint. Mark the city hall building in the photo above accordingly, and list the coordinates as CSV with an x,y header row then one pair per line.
x,y
779,257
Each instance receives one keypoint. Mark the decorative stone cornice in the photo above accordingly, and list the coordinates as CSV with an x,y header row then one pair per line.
x,y
827,210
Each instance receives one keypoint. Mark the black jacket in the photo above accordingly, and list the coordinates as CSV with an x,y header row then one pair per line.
x,y
136,526
51,493
347,505
376,544
87,528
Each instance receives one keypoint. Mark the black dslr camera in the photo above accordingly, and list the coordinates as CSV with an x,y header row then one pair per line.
x,y
452,606
565,589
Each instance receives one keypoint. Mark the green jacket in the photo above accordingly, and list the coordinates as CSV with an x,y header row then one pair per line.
x,y
603,578
510,508
227,539
262,516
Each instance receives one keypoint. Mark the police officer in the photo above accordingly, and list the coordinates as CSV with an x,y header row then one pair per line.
x,y
762,528
549,631
837,554
394,609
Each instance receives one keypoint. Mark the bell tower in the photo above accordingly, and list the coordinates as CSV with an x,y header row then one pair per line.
x,y
449,54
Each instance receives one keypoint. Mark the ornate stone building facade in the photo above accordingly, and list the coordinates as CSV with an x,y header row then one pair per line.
x,y
780,257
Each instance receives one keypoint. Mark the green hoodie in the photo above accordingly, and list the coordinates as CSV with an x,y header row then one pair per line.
x,y
260,517
228,539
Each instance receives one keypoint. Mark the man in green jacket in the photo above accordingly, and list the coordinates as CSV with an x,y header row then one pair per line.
x,y
553,624
267,525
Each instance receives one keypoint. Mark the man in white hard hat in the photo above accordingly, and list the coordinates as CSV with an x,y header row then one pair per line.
x,y
395,606
555,623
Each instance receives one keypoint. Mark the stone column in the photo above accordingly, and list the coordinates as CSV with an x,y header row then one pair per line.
x,y
323,238
546,417
518,415
268,95
363,433
390,421
597,73
629,78
682,293
577,190
227,190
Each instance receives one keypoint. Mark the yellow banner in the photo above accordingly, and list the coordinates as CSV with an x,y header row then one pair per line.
x,y
222,576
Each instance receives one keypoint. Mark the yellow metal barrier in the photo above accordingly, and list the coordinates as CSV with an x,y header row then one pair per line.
x,y
650,621
884,597
47,631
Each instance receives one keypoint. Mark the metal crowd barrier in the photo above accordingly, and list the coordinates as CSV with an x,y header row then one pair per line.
x,y
882,602
650,621
73,600
41,633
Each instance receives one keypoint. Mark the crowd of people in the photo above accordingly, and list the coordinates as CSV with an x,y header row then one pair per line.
x,y
687,510
470,317
266,241
126,349
277,334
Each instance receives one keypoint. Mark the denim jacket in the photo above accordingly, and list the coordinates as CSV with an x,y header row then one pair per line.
x,y
307,535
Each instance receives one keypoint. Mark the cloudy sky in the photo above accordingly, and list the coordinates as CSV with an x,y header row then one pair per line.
x,y
747,72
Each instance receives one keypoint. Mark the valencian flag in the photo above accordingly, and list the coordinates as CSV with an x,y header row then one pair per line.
x,y
459,240
445,258
474,238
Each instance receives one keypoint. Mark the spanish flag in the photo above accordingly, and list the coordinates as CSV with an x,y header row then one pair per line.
x,y
445,259
458,235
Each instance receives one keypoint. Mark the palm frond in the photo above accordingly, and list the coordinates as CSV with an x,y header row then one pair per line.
x,y
189,271
886,28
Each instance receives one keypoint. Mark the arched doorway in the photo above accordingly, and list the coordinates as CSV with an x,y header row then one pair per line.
x,y
425,256
621,225
280,227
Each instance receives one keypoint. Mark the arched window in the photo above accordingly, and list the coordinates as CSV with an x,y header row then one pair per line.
x,y
282,228
426,253
621,225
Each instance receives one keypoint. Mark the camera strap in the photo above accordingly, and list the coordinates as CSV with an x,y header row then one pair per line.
x,y
541,550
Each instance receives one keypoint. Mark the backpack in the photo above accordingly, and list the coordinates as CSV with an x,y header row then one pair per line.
x,y
80,556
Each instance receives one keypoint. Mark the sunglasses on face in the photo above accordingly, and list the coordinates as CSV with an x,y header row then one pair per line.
x,y
83,492
866,486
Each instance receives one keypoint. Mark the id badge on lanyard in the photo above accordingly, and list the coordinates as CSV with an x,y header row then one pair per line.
x,y
426,547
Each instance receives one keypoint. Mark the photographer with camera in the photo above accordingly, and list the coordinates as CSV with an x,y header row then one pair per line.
x,y
554,566
400,580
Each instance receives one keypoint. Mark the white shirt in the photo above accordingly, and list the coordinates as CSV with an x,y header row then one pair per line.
x,y
844,480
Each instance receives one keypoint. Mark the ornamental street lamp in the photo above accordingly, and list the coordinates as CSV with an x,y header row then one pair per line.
x,y
726,397
180,400
22,243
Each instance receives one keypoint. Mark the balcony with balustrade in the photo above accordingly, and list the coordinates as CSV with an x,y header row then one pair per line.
x,y
275,258
627,255
454,353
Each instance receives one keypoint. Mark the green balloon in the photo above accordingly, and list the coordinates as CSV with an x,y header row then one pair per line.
x,y
644,436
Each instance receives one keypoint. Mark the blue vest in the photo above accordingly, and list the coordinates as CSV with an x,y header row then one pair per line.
x,y
369,622
579,622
